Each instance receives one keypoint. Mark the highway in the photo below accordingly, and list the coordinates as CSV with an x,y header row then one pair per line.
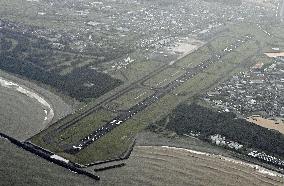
x,y
157,95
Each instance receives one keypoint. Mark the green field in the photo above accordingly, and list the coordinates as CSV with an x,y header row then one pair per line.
x,y
85,126
129,99
136,70
165,77
195,58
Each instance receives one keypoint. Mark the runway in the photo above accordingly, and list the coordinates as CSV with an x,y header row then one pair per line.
x,y
190,72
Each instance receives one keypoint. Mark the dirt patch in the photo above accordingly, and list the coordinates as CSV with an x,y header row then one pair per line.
x,y
185,45
268,123
275,54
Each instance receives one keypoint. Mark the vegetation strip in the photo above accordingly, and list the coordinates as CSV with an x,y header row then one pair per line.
x,y
125,156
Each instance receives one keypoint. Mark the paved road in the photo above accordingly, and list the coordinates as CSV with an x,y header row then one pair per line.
x,y
121,118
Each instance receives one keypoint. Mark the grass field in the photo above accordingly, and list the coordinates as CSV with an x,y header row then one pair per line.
x,y
136,70
194,58
85,126
130,98
165,77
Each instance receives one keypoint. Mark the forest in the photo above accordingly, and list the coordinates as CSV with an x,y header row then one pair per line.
x,y
186,118
35,59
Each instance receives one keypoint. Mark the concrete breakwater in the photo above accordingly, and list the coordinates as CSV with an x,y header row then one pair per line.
x,y
49,156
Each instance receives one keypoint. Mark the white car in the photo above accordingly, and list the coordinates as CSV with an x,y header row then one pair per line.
x,y
119,122
74,147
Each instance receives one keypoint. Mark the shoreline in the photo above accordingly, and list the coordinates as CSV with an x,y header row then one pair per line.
x,y
148,138
54,106
62,104
258,168
48,110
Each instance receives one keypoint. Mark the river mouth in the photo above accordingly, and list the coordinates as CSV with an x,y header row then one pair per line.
x,y
23,112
